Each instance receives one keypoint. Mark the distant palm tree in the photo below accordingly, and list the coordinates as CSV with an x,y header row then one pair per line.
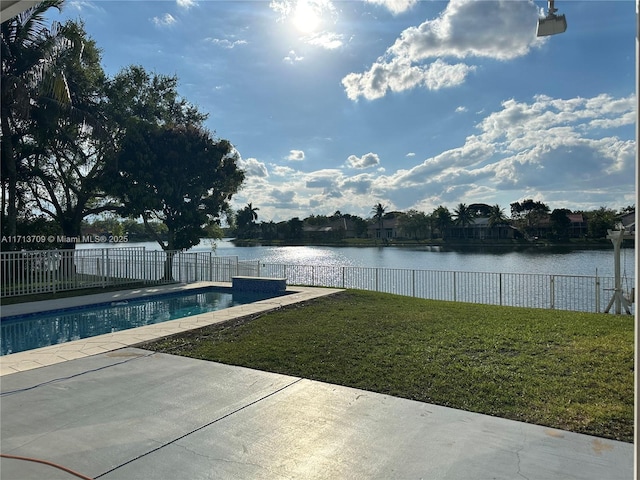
x,y
245,221
497,216
253,211
442,219
464,217
378,214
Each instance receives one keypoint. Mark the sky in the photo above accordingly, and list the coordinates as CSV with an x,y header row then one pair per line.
x,y
341,105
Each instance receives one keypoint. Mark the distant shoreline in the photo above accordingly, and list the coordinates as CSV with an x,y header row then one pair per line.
x,y
471,244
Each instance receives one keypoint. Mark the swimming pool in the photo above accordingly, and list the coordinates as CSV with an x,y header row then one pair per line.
x,y
26,332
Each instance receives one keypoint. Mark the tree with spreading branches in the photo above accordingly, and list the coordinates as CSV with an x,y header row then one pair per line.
x,y
180,175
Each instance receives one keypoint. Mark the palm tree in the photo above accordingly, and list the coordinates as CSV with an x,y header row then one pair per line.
x,y
253,211
378,214
464,217
442,219
245,221
32,74
497,215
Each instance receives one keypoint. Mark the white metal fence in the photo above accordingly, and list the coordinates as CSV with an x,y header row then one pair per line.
x,y
561,292
30,272
24,273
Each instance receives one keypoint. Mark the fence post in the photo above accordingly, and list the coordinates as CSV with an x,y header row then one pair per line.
x,y
597,292
342,277
47,275
101,268
500,289
455,296
413,283
53,282
210,269
552,282
179,262
108,269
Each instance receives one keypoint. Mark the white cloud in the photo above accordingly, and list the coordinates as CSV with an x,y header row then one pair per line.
x,y
328,180
367,160
85,6
566,152
224,43
327,40
296,155
253,168
283,197
358,184
282,7
461,109
282,171
461,31
544,146
395,6
164,21
398,75
410,154
292,57
187,4
325,178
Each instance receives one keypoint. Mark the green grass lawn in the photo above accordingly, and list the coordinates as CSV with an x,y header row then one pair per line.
x,y
566,370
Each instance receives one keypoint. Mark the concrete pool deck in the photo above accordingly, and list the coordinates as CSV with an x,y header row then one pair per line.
x,y
129,413
40,357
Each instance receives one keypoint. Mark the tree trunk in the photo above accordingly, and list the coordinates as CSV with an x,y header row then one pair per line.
x,y
9,160
168,266
67,264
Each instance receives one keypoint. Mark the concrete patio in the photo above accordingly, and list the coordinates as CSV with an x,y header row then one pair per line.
x,y
134,414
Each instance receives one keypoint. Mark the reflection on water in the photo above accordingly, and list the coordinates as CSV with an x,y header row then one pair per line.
x,y
547,260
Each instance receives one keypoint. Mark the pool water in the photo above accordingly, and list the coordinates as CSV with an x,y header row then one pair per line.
x,y
26,332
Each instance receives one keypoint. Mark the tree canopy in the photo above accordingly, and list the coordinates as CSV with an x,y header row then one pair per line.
x,y
179,175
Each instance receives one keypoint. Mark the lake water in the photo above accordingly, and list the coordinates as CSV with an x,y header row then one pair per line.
x,y
559,261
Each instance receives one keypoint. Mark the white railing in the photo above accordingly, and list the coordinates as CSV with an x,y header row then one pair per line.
x,y
24,273
51,271
561,292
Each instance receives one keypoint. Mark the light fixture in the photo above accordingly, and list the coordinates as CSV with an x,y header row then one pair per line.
x,y
552,23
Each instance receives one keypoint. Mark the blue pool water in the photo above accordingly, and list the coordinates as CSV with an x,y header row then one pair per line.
x,y
26,332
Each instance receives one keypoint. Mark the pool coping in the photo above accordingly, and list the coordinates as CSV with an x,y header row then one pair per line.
x,y
40,357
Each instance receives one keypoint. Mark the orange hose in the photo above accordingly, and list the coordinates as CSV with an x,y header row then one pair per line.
x,y
45,462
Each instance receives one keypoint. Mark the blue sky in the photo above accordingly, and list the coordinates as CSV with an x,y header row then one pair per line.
x,y
340,105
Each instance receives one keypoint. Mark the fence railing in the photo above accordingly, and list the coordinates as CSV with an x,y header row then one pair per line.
x,y
23,273
561,292
32,272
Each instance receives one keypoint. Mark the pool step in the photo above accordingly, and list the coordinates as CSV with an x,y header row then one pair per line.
x,y
259,284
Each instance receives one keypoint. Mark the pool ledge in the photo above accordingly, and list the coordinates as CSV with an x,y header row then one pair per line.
x,y
40,357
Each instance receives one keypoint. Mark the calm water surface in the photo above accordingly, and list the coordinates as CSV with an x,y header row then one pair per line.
x,y
559,261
